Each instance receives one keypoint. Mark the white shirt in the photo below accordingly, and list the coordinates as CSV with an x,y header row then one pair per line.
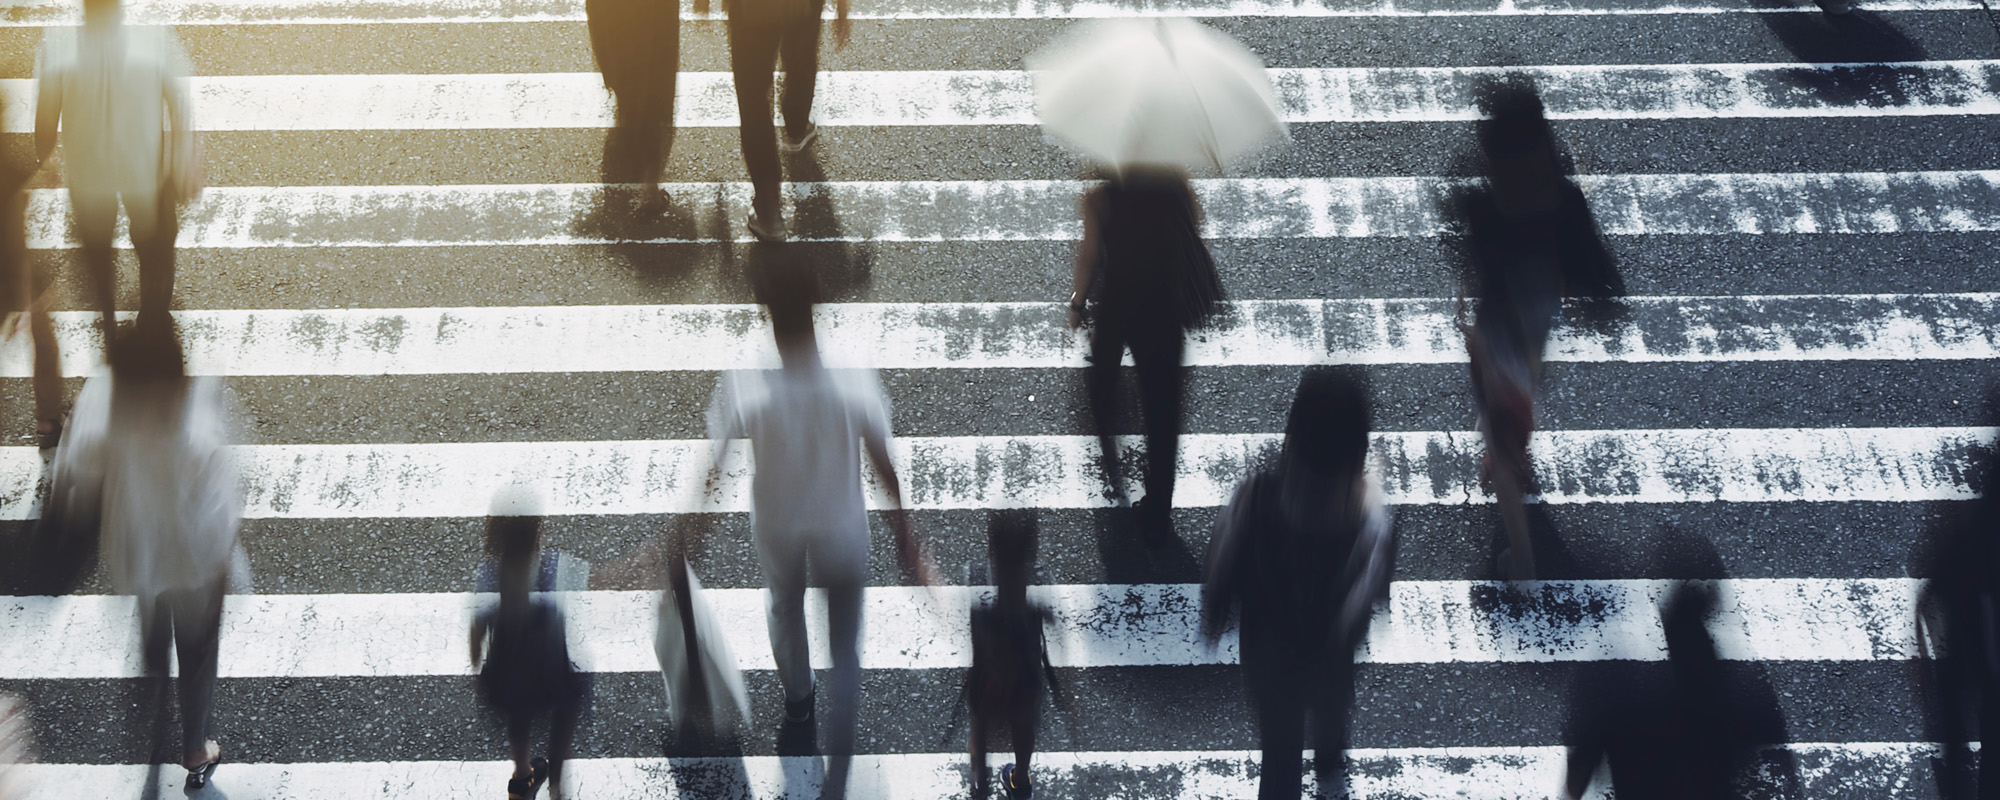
x,y
805,428
172,502
121,88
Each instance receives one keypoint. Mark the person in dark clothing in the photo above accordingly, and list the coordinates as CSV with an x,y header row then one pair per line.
x,y
527,673
1009,654
763,33
637,44
25,294
1965,587
1532,241
1303,553
1144,265
1678,733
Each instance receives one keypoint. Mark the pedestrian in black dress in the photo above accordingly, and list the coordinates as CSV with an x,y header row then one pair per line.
x,y
637,44
527,672
1965,585
1010,665
1148,274
1532,241
1303,553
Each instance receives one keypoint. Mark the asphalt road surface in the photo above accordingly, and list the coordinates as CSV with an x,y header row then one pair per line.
x,y
404,268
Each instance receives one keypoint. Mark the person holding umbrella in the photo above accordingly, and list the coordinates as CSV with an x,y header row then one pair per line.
x,y
1147,100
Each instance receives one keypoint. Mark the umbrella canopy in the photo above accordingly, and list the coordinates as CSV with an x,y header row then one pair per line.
x,y
1155,91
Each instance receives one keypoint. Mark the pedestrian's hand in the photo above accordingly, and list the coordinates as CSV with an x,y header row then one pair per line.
x,y
842,29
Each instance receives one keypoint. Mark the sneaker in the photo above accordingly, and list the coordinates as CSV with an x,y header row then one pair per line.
x,y
790,145
797,711
769,228
1015,782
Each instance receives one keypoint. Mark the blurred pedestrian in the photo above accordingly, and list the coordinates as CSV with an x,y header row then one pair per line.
x,y
25,293
1676,733
809,428
119,96
527,673
763,34
1010,658
17,747
155,445
1144,265
637,44
1532,241
1303,553
1965,587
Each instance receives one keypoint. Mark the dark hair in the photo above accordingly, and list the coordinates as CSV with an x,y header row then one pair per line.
x,y
147,350
1011,542
1327,430
787,286
513,539
1515,121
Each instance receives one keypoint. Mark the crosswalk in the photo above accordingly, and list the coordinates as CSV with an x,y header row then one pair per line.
x,y
404,273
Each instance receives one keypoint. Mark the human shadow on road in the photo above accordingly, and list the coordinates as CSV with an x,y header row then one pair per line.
x,y
1843,49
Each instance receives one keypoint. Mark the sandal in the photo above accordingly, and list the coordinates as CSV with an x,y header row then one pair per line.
x,y
198,775
526,788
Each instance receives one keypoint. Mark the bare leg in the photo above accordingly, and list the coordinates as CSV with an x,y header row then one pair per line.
x,y
520,730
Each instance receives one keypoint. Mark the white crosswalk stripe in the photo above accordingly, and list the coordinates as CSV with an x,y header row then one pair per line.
x,y
378,635
1810,511
1004,211
903,98
1894,465
578,339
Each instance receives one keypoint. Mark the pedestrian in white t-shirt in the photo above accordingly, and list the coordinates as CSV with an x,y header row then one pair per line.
x,y
808,427
119,96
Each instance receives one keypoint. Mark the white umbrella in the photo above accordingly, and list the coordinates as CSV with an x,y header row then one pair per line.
x,y
1155,91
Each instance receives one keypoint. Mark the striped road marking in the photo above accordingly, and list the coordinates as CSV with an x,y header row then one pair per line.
x,y
1844,769
1006,97
367,12
1752,465
907,211
1425,622
564,339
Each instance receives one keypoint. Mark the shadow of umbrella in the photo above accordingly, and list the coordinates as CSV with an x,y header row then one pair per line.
x,y
1851,41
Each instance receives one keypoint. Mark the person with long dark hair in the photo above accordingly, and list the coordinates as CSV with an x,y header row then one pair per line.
x,y
1148,278
1532,241
1303,553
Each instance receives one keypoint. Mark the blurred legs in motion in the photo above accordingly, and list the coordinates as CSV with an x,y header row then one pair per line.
x,y
840,562
190,622
16,747
28,296
1157,352
154,225
637,46
757,43
1282,721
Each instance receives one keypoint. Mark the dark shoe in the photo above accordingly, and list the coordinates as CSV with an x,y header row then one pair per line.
x,y
526,788
1015,783
198,777
768,228
1156,524
790,145
797,711
48,432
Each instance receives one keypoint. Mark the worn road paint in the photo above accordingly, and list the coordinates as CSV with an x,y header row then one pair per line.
x,y
1883,770
1424,622
367,12
935,211
1750,465
578,339
1007,97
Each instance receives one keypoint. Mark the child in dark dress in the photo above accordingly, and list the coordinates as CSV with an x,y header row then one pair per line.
x,y
1009,656
527,672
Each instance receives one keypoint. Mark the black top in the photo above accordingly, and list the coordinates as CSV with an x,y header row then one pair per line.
x,y
1154,263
